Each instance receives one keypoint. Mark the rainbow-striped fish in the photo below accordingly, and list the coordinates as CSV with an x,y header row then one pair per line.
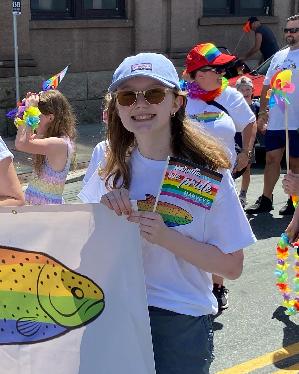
x,y
171,214
41,299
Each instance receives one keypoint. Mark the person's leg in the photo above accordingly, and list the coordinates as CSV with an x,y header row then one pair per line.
x,y
288,208
275,143
272,171
246,179
182,344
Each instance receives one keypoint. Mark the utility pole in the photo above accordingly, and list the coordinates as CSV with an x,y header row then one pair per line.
x,y
16,11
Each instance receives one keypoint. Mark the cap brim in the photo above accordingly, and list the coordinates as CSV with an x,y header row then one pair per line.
x,y
118,82
223,59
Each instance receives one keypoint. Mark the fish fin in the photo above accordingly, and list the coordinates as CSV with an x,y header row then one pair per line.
x,y
28,326
149,197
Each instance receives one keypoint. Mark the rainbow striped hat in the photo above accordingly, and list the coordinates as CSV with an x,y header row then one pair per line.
x,y
206,55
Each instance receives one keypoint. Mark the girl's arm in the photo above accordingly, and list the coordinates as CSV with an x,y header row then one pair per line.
x,y
204,256
293,228
27,141
152,228
10,189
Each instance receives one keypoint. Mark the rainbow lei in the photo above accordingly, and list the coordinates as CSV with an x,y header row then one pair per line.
x,y
292,304
195,92
27,116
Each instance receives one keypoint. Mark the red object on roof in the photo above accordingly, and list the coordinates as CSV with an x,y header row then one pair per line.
x,y
257,81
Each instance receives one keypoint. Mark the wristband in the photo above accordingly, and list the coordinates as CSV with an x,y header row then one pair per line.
x,y
247,152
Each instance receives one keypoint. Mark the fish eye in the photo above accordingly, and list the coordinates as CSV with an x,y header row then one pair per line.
x,y
77,293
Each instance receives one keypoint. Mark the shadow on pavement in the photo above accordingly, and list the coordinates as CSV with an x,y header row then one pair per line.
x,y
217,325
290,336
266,226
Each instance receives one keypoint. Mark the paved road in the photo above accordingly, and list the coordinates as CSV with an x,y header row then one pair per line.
x,y
251,334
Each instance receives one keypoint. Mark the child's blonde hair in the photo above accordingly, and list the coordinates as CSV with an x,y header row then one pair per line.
x,y
63,124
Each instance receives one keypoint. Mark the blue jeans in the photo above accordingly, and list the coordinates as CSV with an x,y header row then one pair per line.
x,y
182,344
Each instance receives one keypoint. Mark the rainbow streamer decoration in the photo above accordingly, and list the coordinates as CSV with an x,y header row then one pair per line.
x,y
209,51
53,82
190,182
281,86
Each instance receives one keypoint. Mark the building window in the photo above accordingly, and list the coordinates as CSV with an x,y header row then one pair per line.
x,y
237,8
77,9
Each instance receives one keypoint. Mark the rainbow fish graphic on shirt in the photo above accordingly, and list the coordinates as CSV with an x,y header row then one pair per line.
x,y
191,183
207,117
41,299
172,215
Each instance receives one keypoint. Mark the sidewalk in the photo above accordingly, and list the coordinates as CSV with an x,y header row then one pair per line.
x,y
88,136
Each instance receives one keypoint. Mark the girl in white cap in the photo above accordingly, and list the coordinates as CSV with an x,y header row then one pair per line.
x,y
146,123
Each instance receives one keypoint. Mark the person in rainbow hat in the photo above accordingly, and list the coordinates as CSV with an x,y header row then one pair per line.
x,y
222,111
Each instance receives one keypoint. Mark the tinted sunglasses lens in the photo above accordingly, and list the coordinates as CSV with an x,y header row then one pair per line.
x,y
155,95
126,98
292,30
220,70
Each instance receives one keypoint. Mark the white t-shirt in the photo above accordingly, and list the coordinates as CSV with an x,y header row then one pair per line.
x,y
285,59
172,283
4,152
218,123
98,154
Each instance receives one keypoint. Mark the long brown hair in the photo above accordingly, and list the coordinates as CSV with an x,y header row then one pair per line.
x,y
63,124
186,141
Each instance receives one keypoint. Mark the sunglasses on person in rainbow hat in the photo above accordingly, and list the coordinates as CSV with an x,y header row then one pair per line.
x,y
207,57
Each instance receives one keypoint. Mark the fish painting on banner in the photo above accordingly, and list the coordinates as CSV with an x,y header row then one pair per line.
x,y
41,298
72,288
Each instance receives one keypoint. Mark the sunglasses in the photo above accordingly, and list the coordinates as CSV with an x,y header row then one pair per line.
x,y
216,69
292,30
152,96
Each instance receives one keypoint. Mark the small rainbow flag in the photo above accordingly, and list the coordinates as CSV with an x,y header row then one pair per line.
x,y
190,182
53,82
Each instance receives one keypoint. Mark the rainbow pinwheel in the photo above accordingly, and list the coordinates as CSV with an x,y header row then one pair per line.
x,y
53,82
281,87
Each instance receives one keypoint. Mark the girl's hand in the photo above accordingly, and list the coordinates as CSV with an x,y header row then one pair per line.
x,y
118,200
152,226
293,229
32,99
290,183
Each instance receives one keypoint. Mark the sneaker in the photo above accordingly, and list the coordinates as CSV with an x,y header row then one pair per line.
x,y
262,205
221,294
288,209
243,200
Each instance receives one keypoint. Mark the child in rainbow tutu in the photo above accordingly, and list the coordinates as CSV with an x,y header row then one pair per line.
x,y
46,129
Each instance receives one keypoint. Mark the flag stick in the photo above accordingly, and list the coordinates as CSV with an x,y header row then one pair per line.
x,y
287,138
162,180
242,36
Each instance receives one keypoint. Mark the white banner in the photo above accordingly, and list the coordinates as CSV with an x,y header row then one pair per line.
x,y
72,294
